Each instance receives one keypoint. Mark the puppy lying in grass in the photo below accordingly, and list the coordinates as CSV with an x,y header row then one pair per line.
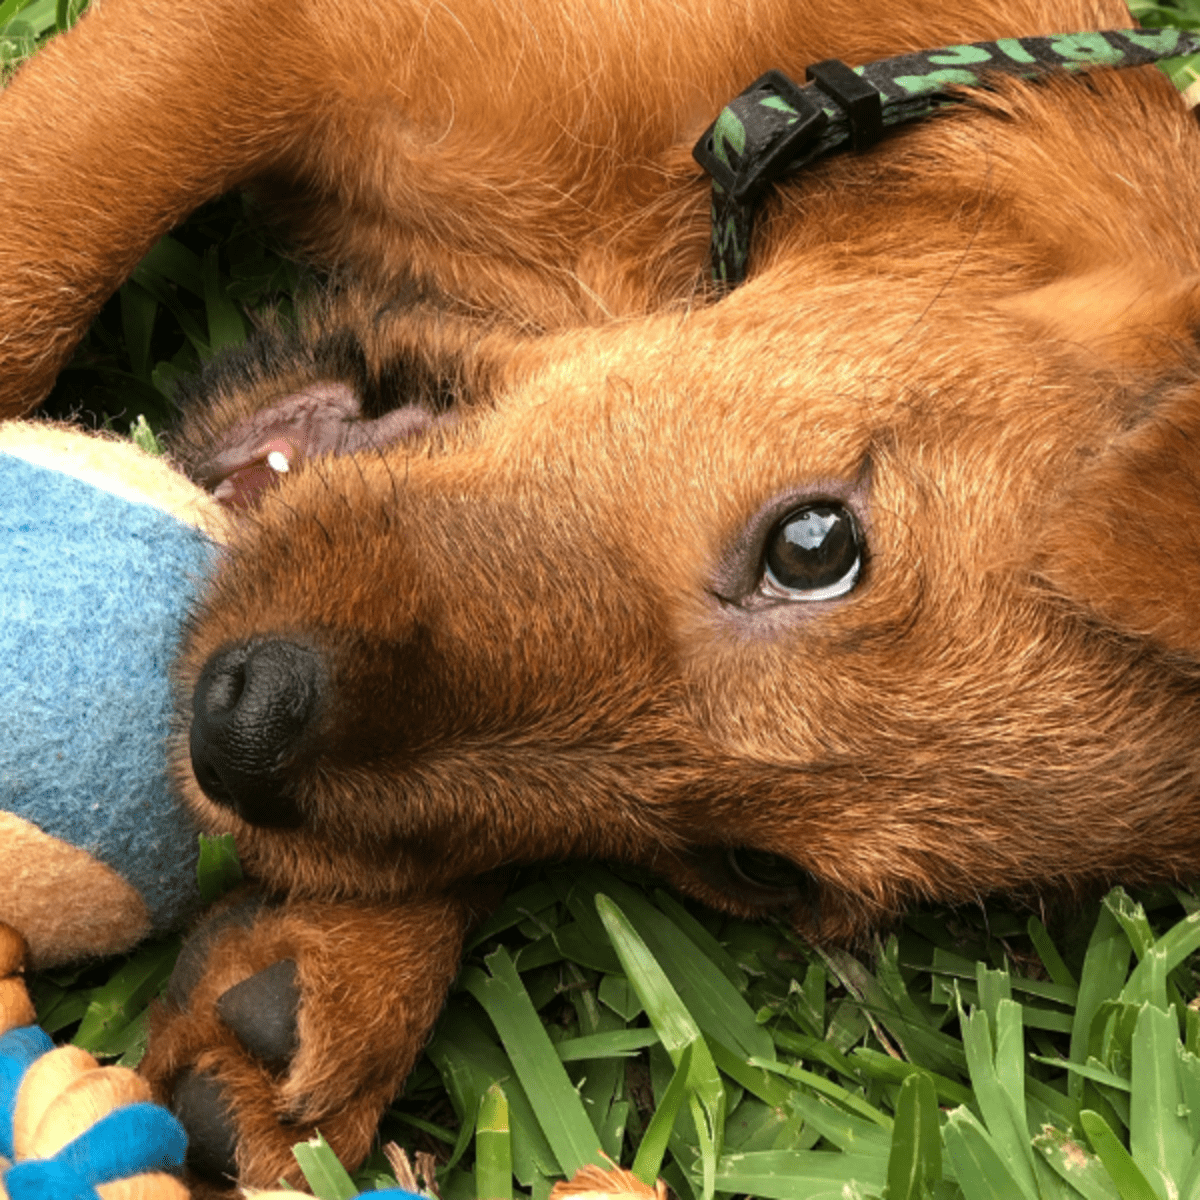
x,y
868,580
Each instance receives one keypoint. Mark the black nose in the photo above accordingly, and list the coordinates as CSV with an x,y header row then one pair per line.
x,y
252,708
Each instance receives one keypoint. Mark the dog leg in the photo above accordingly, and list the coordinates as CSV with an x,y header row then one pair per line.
x,y
108,137
284,1017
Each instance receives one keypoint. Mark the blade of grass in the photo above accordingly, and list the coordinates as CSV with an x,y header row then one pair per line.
x,y
323,1172
800,1174
1168,952
980,1169
915,1158
469,1063
818,1083
875,1065
1105,965
1130,1182
1008,1135
225,325
218,869
850,1134
620,1043
716,1005
1047,951
555,1102
648,1163
1083,1171
1159,1140
676,1027
493,1147
121,1000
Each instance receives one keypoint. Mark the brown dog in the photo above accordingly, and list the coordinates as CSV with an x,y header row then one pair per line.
x,y
875,579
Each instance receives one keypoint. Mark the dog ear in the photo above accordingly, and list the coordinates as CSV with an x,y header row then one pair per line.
x,y
1122,316
1124,538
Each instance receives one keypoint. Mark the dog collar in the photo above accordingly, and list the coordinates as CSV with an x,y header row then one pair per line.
x,y
775,126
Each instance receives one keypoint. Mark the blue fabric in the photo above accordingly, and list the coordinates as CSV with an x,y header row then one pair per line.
x,y
128,1141
19,1049
47,1179
93,592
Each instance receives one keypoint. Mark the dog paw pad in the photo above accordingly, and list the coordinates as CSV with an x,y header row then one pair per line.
x,y
199,1103
261,1011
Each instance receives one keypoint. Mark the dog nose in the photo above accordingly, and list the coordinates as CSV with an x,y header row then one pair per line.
x,y
251,708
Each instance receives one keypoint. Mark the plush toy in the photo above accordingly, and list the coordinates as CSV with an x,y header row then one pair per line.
x,y
102,546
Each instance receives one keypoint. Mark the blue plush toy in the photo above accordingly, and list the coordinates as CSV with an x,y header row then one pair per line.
x,y
102,547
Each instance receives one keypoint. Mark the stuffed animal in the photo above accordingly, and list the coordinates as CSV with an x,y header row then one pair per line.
x,y
102,546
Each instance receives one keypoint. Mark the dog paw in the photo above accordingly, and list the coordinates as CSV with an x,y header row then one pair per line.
x,y
276,1024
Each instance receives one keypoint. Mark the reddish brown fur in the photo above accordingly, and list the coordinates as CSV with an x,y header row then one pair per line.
x,y
537,621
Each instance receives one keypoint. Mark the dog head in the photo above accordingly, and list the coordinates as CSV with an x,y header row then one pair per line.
x,y
874,580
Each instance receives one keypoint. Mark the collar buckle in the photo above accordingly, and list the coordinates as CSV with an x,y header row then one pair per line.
x,y
759,133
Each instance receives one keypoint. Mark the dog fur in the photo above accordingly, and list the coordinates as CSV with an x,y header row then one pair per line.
x,y
531,614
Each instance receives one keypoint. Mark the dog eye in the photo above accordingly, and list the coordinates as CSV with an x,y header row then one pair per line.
x,y
813,553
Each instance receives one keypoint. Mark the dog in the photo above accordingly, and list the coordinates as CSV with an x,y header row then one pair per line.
x,y
871,579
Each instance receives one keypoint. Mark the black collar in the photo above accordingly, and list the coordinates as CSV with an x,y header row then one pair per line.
x,y
775,126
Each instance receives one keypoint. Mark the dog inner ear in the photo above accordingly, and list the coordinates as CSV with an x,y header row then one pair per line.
x,y
345,386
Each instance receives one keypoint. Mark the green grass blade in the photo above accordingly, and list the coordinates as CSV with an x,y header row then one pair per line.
x,y
849,1133
708,1138
1169,951
493,1147
322,1171
174,261
712,949
469,1063
1074,1164
676,1027
1159,1139
1089,1070
555,1101
818,1083
1133,920
800,1174
915,1159
1105,966
979,1168
1189,1083
715,1004
1010,1062
1047,951
619,1043
1006,1126
1130,1182
225,325
218,869
143,437
118,1003
766,1085
138,311
875,1065
648,1163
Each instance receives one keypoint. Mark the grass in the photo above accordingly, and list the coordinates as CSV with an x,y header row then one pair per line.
x,y
971,1053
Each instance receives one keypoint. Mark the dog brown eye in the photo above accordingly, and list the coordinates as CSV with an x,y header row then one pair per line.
x,y
814,553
